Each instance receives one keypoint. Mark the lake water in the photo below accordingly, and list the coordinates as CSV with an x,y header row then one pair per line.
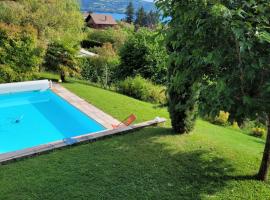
x,y
119,16
116,16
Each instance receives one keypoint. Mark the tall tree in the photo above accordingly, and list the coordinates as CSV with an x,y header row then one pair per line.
x,y
130,13
141,17
225,46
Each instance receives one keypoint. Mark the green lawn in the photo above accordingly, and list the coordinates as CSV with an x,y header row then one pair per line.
x,y
153,163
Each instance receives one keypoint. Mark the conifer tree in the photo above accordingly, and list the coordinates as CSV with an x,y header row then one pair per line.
x,y
130,13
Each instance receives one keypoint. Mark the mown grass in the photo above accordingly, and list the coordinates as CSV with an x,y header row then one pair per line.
x,y
211,163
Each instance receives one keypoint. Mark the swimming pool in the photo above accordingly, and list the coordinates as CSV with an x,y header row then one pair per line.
x,y
29,119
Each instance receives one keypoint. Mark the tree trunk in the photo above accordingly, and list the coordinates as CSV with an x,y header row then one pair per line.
x,y
63,76
263,173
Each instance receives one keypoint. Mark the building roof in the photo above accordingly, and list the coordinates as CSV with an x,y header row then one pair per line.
x,y
102,19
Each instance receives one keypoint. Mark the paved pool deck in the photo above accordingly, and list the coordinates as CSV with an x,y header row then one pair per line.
x,y
98,115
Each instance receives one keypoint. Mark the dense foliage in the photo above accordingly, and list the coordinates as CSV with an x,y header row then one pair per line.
x,y
224,45
143,54
100,69
130,13
32,25
142,89
146,19
20,54
60,58
53,20
116,36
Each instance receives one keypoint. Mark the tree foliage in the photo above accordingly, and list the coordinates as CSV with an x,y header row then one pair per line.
x,y
49,22
54,20
61,59
225,46
141,17
130,13
146,19
143,54
101,69
116,36
20,55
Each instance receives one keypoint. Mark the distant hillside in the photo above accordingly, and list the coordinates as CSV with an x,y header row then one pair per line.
x,y
114,6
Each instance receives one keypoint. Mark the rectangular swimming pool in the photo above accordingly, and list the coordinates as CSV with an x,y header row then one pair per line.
x,y
29,119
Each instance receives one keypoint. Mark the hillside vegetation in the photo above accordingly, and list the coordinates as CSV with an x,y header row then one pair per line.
x,y
211,163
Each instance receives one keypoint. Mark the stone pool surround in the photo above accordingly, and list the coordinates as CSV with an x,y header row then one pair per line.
x,y
85,107
90,110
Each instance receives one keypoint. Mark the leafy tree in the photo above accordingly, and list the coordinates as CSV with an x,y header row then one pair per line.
x,y
20,55
61,59
224,46
54,20
141,17
144,54
130,13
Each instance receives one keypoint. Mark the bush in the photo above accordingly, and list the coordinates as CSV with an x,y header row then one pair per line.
x,y
142,89
235,125
100,69
222,118
144,54
116,37
254,127
258,132
95,70
20,54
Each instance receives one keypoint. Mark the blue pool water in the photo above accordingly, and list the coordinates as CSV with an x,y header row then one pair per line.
x,y
30,119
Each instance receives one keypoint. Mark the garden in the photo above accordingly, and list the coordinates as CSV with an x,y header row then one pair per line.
x,y
206,70
212,162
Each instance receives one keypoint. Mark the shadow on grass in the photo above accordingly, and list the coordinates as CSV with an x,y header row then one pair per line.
x,y
148,164
194,173
258,140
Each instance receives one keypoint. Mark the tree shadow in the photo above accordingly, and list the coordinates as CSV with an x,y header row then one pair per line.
x,y
257,140
194,173
147,164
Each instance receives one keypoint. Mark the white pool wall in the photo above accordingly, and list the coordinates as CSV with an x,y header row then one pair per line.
x,y
24,86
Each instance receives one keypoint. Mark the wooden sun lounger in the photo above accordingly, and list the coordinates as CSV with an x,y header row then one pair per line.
x,y
127,122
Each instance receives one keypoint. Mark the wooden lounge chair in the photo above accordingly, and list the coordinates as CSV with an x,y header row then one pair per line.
x,y
127,122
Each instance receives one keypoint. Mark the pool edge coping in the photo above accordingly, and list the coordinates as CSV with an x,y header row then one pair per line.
x,y
84,106
29,152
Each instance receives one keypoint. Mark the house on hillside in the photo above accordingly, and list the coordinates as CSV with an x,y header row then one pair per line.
x,y
100,21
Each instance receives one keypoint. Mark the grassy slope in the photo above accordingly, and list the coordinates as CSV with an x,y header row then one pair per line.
x,y
117,105
211,163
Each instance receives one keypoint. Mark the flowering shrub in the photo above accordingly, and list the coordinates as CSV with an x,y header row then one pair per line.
x,y
222,118
235,125
258,132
